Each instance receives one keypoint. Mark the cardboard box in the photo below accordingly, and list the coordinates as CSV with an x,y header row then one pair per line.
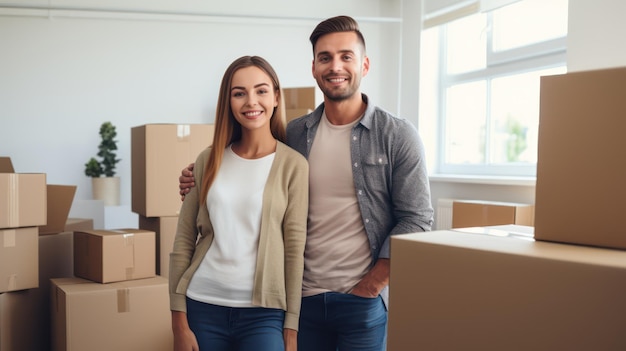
x,y
474,213
294,113
165,230
17,328
580,173
59,202
22,200
56,260
454,290
19,259
300,98
159,152
124,316
106,256
6,166
23,195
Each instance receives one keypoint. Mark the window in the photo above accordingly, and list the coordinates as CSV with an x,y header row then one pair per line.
x,y
479,89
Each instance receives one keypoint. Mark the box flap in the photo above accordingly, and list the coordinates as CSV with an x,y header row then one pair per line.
x,y
501,231
6,166
60,198
77,224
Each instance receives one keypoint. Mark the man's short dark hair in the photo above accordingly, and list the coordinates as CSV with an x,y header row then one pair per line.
x,y
335,25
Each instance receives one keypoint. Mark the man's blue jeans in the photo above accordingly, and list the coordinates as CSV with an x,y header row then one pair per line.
x,y
334,321
219,328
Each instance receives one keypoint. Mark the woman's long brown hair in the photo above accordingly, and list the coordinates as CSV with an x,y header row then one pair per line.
x,y
227,129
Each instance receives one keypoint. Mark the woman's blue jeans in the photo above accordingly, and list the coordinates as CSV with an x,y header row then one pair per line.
x,y
342,322
219,328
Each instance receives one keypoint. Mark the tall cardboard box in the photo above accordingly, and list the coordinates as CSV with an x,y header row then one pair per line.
x,y
19,262
165,230
106,256
475,213
23,200
580,188
300,98
300,101
159,152
132,315
455,290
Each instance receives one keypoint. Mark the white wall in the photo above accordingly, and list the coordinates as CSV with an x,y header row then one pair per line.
x,y
64,72
596,34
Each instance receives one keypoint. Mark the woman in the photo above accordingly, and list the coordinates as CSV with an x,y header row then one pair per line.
x,y
237,262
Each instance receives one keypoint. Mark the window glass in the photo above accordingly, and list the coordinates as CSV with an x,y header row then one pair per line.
x,y
466,39
515,116
428,97
479,107
528,22
465,118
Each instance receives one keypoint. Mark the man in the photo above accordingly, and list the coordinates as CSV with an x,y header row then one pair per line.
x,y
367,181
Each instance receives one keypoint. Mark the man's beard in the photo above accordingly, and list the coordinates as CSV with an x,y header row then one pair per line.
x,y
337,95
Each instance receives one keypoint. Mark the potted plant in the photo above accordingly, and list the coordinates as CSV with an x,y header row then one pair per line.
x,y
105,188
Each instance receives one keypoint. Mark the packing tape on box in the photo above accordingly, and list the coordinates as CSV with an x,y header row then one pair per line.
x,y
129,239
13,200
8,239
130,273
183,131
129,244
123,300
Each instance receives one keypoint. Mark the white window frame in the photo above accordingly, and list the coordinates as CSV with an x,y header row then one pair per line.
x,y
542,55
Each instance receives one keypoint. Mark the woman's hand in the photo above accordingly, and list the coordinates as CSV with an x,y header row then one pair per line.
x,y
291,339
186,181
184,338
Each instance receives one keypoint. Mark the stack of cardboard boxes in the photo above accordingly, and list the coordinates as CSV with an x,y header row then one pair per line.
x,y
115,301
118,299
557,286
22,211
36,238
64,285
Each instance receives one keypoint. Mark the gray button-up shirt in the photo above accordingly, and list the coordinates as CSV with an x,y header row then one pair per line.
x,y
389,173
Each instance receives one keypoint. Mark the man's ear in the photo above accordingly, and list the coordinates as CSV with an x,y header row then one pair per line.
x,y
366,66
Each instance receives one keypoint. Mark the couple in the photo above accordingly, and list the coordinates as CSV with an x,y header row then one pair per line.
x,y
240,276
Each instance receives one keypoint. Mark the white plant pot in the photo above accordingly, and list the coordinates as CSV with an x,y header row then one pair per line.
x,y
106,189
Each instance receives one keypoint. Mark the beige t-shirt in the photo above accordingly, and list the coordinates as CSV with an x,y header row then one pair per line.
x,y
337,251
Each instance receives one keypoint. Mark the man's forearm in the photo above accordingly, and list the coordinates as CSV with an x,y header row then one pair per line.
x,y
375,280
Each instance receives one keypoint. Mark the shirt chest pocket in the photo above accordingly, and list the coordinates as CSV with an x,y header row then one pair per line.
x,y
376,160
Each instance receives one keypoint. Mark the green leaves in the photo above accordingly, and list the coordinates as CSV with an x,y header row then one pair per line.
x,y
106,151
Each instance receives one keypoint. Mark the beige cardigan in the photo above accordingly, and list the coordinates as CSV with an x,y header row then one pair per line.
x,y
280,255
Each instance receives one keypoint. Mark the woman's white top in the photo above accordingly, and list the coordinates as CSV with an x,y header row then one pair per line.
x,y
225,276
